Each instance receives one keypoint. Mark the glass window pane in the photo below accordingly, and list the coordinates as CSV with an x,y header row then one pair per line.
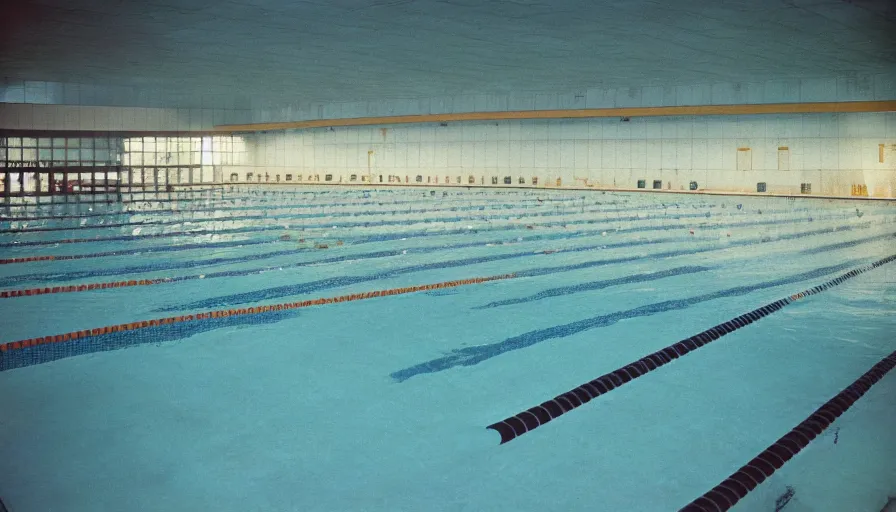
x,y
45,155
74,155
149,144
58,154
137,145
15,142
14,155
101,143
101,155
29,155
29,142
59,142
74,142
87,155
45,142
136,158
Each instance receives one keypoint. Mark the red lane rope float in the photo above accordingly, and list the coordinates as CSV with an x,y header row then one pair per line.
x,y
725,495
81,287
33,342
6,261
514,426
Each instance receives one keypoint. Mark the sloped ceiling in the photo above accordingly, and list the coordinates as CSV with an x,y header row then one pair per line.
x,y
351,50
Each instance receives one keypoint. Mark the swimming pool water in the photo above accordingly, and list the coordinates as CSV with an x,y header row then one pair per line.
x,y
382,403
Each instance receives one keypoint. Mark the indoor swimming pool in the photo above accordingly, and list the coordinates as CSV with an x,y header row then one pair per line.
x,y
447,349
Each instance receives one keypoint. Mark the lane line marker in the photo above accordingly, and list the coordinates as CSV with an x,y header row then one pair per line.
x,y
734,488
98,331
526,421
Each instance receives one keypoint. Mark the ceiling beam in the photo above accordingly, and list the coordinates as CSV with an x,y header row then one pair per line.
x,y
584,113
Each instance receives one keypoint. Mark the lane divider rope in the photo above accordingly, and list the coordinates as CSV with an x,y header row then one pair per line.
x,y
534,417
143,250
597,207
98,331
6,294
27,259
734,488
81,287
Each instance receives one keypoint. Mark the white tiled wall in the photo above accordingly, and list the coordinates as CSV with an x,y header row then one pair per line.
x,y
830,151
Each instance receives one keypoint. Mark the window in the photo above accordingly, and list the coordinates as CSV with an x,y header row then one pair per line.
x,y
507,180
657,184
805,188
535,180
693,185
234,176
642,183
522,181
353,177
494,180
419,179
471,180
760,187
249,176
289,177
328,177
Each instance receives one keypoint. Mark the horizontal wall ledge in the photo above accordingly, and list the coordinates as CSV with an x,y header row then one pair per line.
x,y
584,113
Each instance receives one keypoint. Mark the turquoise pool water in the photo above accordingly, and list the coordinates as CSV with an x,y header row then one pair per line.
x,y
382,404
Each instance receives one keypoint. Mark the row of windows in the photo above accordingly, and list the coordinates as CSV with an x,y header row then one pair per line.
x,y
61,142
129,151
218,144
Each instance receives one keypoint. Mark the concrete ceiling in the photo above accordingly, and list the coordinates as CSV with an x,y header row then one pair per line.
x,y
354,50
